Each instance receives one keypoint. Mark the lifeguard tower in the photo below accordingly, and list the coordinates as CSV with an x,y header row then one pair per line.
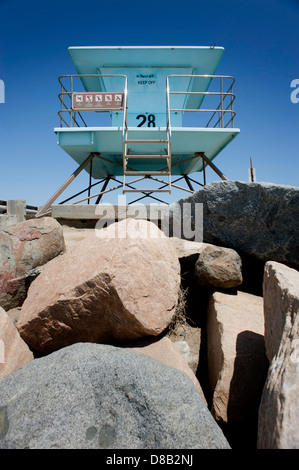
x,y
125,118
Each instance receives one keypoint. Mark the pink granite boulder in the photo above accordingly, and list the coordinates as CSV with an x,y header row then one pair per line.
x,y
107,289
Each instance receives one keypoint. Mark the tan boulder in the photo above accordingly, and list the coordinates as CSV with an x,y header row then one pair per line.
x,y
165,351
14,352
73,235
186,248
279,409
236,356
218,267
109,288
281,304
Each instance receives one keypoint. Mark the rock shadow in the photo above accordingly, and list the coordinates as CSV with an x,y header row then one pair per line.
x,y
246,388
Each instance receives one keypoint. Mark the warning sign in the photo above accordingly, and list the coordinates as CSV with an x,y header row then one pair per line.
x,y
97,101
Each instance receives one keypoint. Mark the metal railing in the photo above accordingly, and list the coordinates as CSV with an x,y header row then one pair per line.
x,y
223,113
6,207
68,109
64,109
220,111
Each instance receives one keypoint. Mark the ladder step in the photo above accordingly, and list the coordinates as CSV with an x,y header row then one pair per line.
x,y
146,191
146,156
142,141
146,173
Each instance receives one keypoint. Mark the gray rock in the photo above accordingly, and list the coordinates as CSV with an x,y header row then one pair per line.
x,y
258,219
97,396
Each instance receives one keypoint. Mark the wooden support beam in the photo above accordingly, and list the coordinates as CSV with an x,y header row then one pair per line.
x,y
211,164
80,192
46,208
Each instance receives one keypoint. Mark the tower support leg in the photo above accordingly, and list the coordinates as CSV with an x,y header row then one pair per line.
x,y
211,164
46,208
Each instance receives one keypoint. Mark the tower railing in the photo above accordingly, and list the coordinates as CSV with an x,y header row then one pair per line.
x,y
75,117
221,115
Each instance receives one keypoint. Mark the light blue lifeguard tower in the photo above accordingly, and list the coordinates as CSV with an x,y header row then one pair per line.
x,y
144,115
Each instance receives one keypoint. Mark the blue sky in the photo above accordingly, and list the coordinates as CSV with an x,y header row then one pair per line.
x,y
261,51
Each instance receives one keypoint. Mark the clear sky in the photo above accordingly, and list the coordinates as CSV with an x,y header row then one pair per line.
x,y
261,41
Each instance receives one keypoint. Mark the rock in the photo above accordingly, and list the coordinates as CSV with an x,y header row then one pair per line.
x,y
186,248
165,351
104,290
279,409
187,251
236,356
24,247
281,304
14,291
8,220
187,340
14,353
195,296
14,314
91,396
218,267
73,235
258,219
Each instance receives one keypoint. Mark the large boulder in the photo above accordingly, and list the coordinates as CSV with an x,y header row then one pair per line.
x,y
236,356
109,288
14,352
24,247
91,396
279,408
257,219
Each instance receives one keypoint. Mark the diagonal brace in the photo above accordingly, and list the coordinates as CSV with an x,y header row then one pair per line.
x,y
211,164
46,208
